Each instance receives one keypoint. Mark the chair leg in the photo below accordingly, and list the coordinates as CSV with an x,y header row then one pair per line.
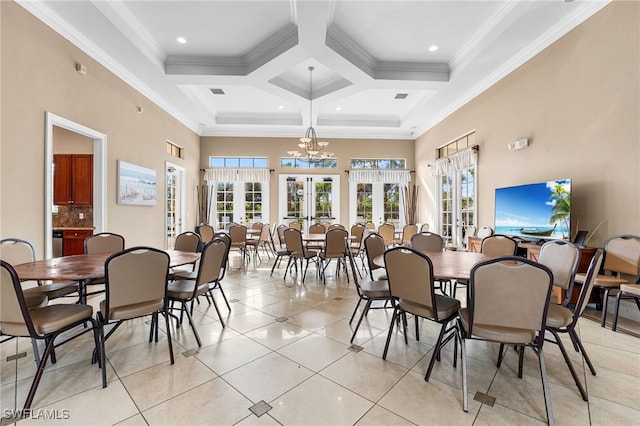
x,y
436,351
355,310
36,352
520,360
287,268
583,393
500,355
393,320
193,326
275,262
38,376
101,354
215,305
463,351
605,300
224,296
614,323
166,319
364,311
584,353
545,387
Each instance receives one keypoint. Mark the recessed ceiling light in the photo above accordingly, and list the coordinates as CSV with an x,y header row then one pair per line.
x,y
338,108
181,40
433,48
280,107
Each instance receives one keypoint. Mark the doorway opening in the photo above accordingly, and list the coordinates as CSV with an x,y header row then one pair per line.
x,y
175,202
99,141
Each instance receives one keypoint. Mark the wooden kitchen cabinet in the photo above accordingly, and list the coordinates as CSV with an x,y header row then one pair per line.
x,y
73,241
73,179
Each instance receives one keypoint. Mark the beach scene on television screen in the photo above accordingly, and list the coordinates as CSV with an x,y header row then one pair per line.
x,y
534,211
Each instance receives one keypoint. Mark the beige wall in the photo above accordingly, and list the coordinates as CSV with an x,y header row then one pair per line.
x,y
68,142
578,104
38,75
275,148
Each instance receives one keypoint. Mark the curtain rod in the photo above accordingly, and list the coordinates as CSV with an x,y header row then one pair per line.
x,y
270,170
380,170
476,148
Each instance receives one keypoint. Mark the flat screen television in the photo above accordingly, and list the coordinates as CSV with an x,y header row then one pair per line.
x,y
536,211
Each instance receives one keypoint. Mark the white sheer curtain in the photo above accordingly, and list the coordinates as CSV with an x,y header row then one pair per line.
x,y
236,175
458,161
386,176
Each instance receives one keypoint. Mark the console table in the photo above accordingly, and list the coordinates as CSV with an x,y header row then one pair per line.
x,y
533,253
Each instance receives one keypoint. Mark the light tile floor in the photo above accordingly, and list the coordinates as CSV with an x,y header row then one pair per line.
x,y
301,365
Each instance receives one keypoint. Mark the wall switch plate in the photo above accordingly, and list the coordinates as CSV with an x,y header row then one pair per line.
x,y
81,215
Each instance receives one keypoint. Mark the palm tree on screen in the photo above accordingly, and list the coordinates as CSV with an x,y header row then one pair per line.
x,y
562,206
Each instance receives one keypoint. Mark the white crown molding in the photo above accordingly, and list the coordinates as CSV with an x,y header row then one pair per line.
x,y
541,43
40,10
123,19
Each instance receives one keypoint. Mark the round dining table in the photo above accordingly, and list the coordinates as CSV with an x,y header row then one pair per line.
x,y
448,264
84,268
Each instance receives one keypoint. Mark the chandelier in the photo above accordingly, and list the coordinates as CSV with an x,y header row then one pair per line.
x,y
311,148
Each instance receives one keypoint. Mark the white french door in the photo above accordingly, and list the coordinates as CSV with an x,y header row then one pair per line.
x,y
175,202
240,202
376,202
457,191
309,198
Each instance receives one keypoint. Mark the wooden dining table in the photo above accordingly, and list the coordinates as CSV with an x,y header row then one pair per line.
x,y
84,268
448,264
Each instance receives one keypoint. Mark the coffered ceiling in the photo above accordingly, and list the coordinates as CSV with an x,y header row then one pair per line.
x,y
243,70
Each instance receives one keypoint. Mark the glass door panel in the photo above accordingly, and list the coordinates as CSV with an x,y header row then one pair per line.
x,y
309,199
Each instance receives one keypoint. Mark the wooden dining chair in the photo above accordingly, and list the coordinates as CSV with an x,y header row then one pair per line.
x,y
49,322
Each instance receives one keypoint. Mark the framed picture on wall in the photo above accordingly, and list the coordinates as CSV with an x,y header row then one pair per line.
x,y
136,185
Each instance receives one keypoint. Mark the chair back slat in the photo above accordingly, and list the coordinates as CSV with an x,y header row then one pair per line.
x,y
410,276
587,286
187,241
136,275
293,241
499,245
622,255
105,242
14,318
206,233
562,257
509,292
334,243
16,251
374,247
427,241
